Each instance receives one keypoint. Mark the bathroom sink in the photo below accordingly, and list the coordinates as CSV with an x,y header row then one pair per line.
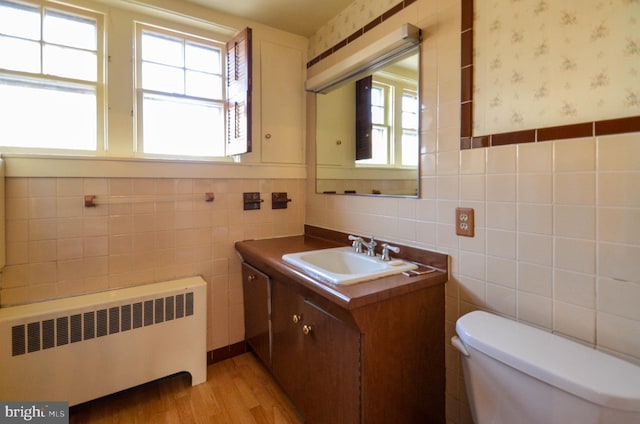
x,y
343,266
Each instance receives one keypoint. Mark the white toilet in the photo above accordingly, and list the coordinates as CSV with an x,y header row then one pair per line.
x,y
515,373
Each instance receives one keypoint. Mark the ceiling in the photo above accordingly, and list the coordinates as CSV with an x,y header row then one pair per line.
x,y
302,17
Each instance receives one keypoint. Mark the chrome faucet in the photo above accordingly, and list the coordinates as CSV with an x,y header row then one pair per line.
x,y
384,256
371,247
357,243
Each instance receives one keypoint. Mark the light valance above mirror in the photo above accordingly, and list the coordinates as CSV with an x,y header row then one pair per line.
x,y
366,60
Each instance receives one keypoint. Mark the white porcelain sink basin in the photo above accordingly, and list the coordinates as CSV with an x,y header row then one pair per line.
x,y
343,266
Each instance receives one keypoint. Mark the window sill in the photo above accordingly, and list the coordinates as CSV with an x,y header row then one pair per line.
x,y
39,165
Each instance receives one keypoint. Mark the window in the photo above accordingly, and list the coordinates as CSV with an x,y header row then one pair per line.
x,y
180,99
409,139
50,77
170,101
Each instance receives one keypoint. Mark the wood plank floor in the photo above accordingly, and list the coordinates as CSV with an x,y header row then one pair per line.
x,y
238,390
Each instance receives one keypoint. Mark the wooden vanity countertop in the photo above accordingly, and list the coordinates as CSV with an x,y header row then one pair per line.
x,y
266,255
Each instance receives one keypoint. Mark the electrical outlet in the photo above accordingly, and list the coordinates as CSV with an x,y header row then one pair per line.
x,y
464,222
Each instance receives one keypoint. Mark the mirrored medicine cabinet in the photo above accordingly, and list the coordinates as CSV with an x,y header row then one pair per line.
x,y
368,132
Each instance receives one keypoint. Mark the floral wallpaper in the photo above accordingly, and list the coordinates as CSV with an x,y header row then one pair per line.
x,y
353,17
543,63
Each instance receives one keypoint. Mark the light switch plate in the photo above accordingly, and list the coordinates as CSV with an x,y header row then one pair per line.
x,y
464,222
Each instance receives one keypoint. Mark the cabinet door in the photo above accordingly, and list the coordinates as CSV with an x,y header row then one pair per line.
x,y
257,311
283,107
316,359
335,140
288,355
331,389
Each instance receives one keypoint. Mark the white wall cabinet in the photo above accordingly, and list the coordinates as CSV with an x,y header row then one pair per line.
x,y
282,135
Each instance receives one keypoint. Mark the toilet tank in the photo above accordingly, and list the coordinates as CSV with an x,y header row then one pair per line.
x,y
586,373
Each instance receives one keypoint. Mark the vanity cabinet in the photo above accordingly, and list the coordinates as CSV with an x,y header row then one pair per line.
x,y
316,358
369,353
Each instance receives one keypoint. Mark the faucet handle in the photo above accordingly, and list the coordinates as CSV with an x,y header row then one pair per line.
x,y
357,243
384,256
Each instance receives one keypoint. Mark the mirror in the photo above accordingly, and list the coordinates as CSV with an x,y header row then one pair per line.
x,y
392,106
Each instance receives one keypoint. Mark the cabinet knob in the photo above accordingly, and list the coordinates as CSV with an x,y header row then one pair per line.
x,y
306,329
296,318
251,277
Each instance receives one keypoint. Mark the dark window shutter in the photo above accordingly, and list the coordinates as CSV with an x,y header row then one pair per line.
x,y
239,93
363,118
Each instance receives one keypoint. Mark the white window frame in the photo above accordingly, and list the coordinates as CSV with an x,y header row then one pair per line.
x,y
402,129
387,126
52,80
141,27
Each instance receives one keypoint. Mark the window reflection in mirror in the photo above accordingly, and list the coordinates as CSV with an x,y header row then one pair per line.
x,y
367,133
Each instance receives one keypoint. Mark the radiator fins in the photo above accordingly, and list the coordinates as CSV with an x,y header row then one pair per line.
x,y
62,331
49,333
18,345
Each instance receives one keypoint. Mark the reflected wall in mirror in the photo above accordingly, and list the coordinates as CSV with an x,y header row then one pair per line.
x,y
387,112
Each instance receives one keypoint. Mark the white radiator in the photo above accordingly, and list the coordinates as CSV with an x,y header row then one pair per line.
x,y
81,348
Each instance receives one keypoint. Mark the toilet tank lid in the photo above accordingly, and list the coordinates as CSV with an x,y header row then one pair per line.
x,y
578,369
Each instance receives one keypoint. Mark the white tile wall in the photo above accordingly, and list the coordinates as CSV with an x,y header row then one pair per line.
x,y
56,247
